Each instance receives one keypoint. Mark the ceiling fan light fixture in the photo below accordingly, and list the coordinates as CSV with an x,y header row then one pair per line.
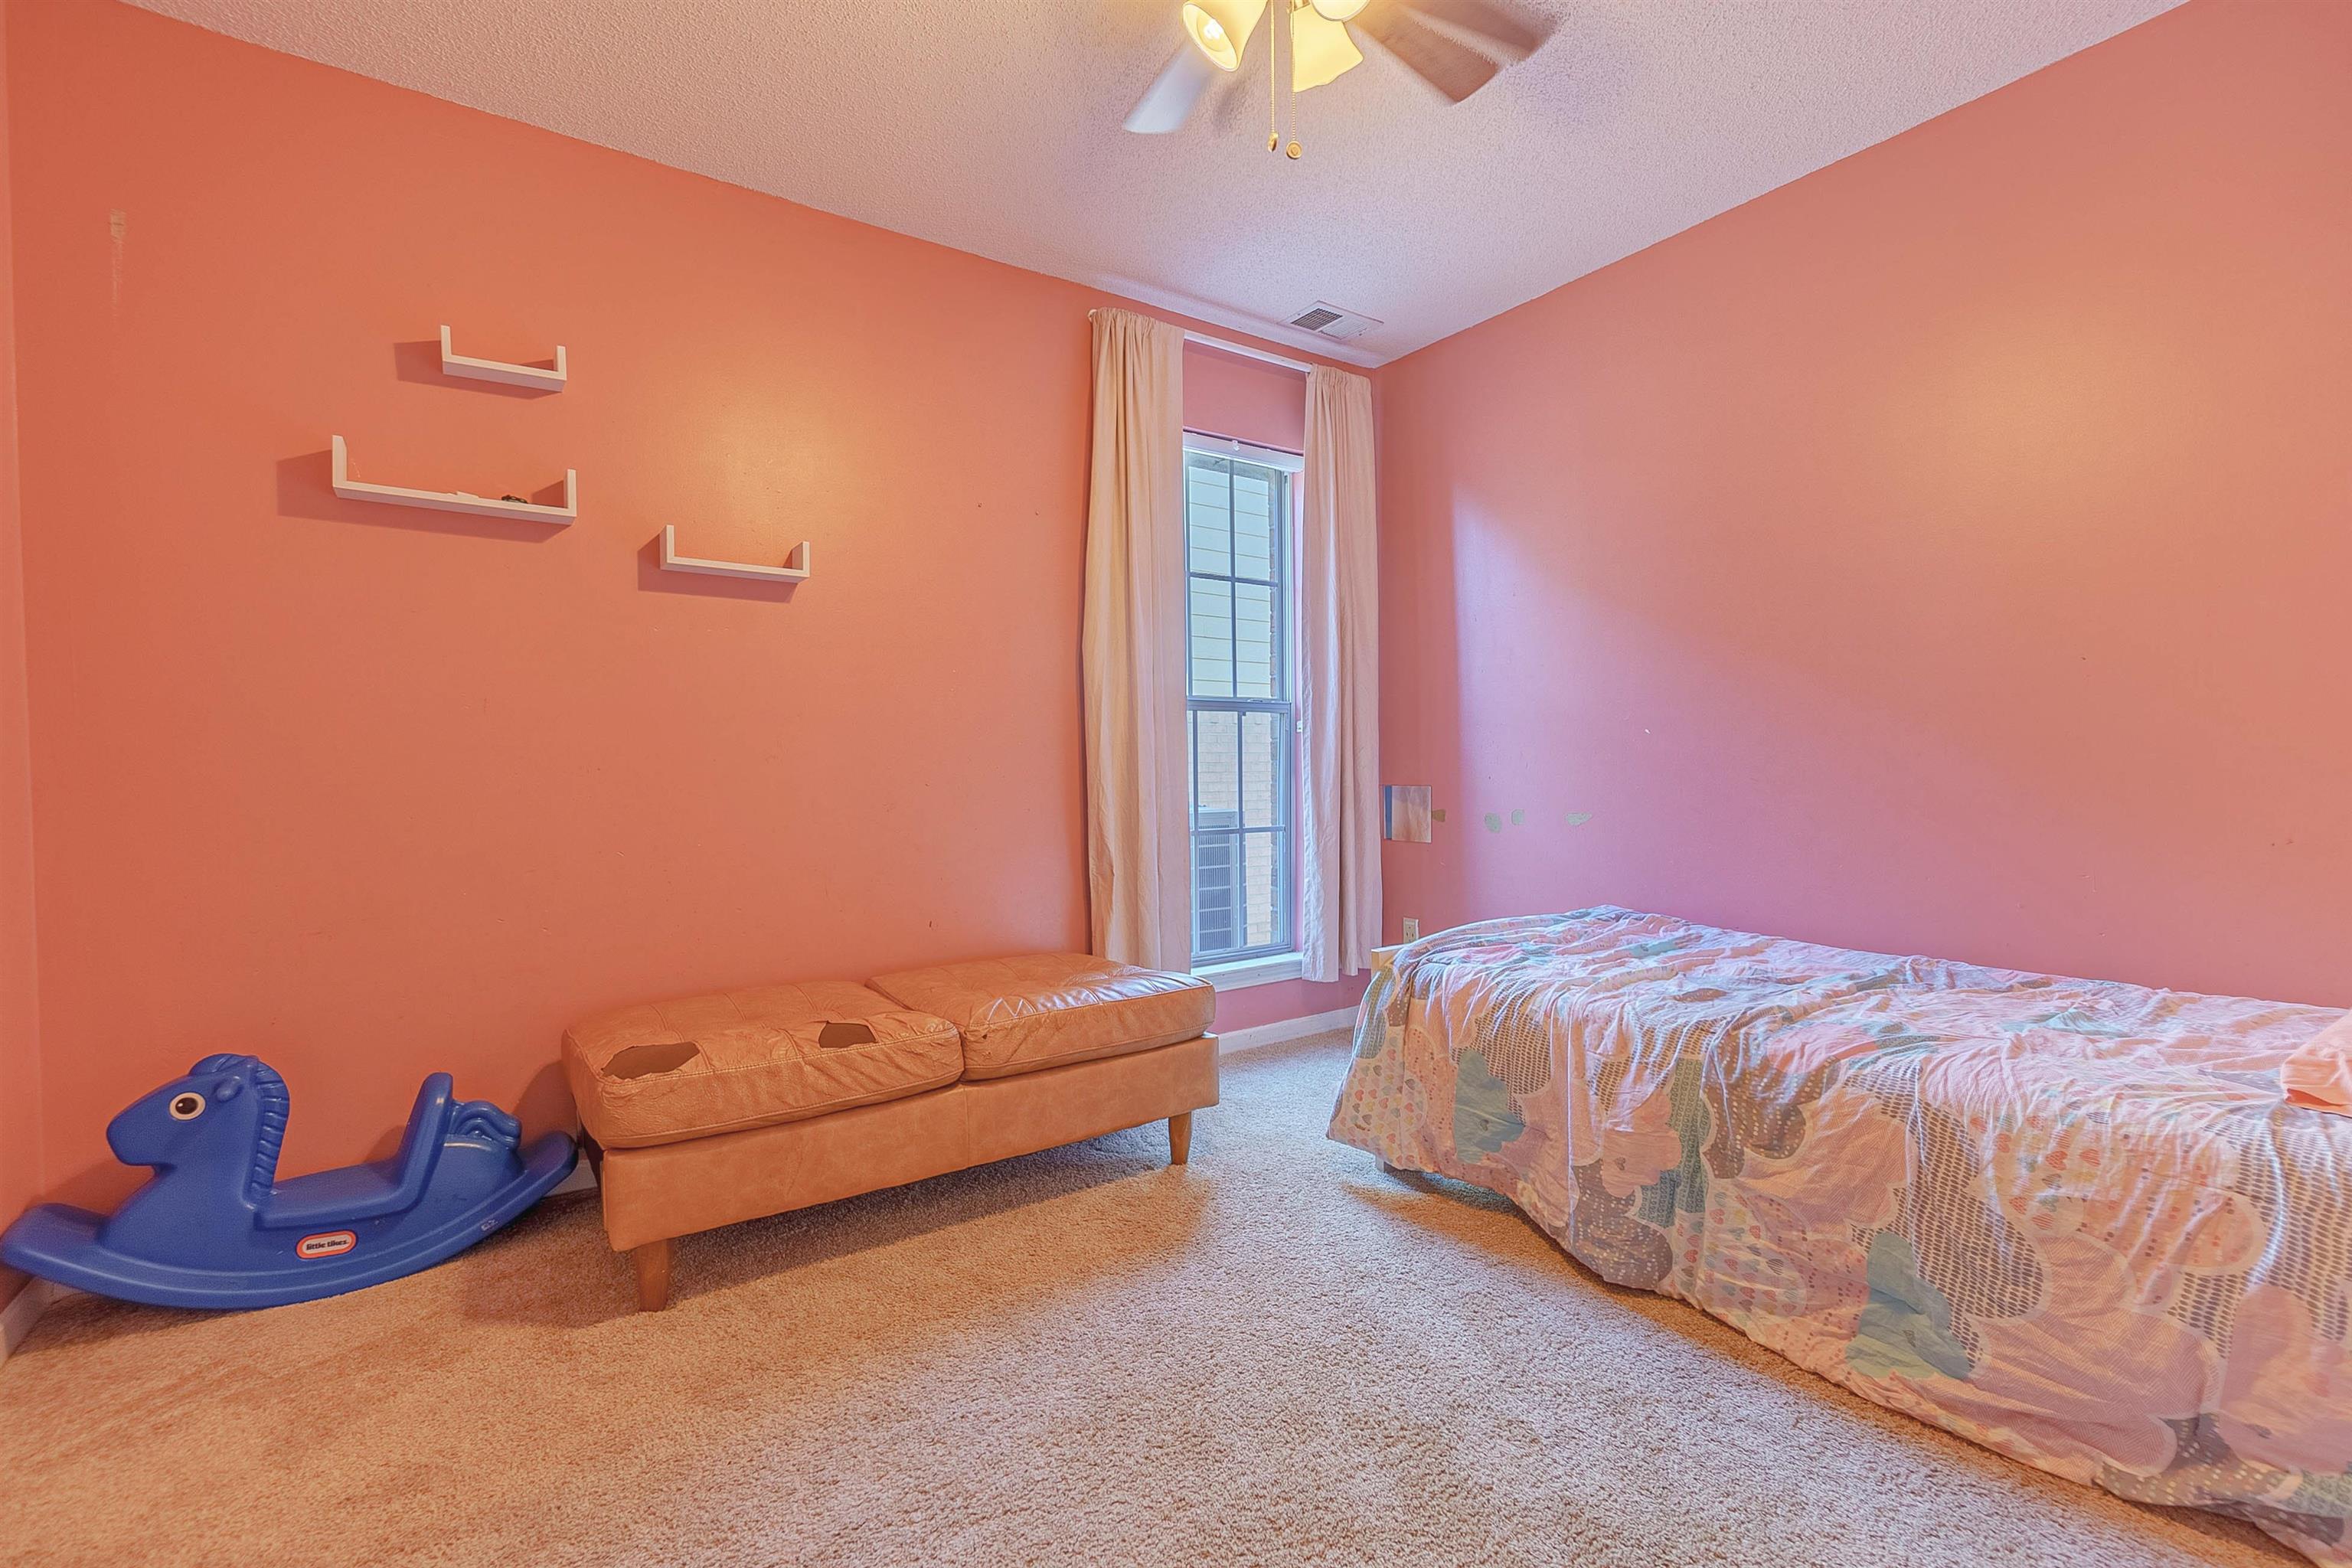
x,y
1320,49
1338,10
1221,29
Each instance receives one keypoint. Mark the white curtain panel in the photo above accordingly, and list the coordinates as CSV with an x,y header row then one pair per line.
x,y
1139,839
1339,682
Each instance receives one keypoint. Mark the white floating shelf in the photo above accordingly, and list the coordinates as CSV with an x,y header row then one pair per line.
x,y
796,568
350,488
474,369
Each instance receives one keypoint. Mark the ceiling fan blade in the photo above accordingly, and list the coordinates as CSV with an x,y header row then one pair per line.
x,y
1168,102
1501,34
1455,70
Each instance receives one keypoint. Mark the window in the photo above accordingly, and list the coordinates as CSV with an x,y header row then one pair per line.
x,y
1239,699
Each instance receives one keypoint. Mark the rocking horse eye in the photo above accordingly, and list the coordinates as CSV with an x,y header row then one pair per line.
x,y
187,1107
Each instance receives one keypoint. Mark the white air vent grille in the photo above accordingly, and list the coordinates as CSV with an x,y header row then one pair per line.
x,y
1326,320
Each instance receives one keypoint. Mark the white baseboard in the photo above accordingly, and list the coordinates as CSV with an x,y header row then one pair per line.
x,y
17,1319
1282,1030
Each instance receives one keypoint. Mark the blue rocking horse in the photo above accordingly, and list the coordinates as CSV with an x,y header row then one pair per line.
x,y
215,1227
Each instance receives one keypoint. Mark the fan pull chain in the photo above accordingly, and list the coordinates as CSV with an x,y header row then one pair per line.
x,y
1289,27
1273,139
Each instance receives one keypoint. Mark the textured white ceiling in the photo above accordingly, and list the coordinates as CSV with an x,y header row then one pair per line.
x,y
995,127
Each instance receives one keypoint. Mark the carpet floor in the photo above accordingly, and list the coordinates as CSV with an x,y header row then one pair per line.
x,y
1277,1355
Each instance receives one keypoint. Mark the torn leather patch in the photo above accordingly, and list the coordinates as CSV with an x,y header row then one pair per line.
x,y
638,1061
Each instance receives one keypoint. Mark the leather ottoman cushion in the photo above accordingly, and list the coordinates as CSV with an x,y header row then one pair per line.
x,y
1018,1014
664,1072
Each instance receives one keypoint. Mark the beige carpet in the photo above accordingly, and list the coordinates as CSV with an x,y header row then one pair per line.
x,y
1278,1355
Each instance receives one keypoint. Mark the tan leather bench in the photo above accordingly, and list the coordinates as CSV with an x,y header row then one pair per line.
x,y
713,1109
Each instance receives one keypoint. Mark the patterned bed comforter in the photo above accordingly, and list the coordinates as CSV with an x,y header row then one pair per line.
x,y
2071,1220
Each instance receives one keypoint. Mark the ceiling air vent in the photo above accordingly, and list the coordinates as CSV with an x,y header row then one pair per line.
x,y
1331,322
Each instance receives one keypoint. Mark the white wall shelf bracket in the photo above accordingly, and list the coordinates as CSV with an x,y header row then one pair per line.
x,y
796,568
350,488
533,375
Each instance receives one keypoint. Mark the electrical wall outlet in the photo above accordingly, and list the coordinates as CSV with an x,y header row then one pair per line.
x,y
1412,927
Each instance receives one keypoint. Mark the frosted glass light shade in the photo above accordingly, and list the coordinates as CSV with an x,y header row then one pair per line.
x,y
1339,10
1320,49
1221,29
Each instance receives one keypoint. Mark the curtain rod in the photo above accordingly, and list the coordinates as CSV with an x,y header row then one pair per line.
x,y
1247,351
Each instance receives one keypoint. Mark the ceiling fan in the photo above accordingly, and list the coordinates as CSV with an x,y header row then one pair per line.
x,y
1455,45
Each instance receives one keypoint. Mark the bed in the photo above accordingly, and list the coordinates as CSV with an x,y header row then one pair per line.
x,y
2071,1220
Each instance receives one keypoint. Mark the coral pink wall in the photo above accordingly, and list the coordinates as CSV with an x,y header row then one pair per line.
x,y
20,1061
1282,1000
373,791
1246,399
1948,552
1249,400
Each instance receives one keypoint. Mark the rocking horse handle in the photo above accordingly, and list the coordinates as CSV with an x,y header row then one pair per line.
x,y
420,1146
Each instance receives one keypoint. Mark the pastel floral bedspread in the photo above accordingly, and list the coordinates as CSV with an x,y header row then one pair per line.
x,y
2071,1220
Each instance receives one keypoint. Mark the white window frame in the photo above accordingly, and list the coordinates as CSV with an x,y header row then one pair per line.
x,y
1261,969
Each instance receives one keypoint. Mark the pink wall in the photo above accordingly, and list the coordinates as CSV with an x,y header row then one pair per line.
x,y
1287,999
373,791
1246,399
20,1060
1946,553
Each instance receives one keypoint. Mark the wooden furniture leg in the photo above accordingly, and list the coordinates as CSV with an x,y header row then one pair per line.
x,y
1179,1138
653,1274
